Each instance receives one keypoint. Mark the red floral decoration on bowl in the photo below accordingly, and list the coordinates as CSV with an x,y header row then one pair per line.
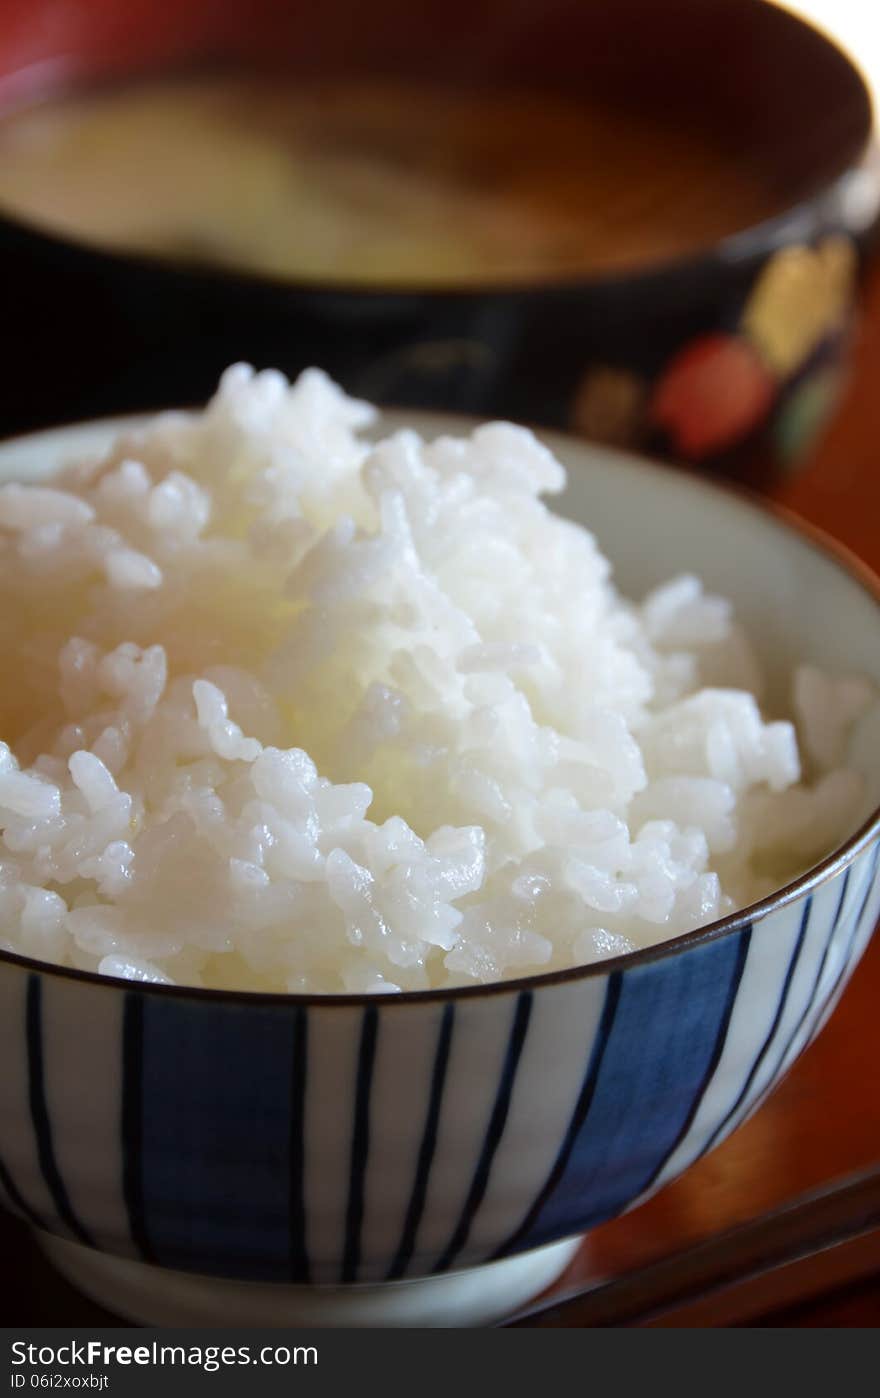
x,y
712,394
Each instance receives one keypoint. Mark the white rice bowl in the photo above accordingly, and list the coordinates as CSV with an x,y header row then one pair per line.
x,y
285,710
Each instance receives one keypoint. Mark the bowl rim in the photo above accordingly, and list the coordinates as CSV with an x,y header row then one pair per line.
x,y
843,855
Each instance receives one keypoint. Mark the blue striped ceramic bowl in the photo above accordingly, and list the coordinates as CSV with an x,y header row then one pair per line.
x,y
198,1155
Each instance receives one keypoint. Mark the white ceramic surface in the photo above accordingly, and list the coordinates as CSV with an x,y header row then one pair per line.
x,y
461,1300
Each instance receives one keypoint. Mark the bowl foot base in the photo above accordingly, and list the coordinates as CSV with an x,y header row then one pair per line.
x,y
151,1295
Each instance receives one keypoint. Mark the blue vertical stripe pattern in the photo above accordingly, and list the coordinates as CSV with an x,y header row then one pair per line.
x,y
812,1000
819,1002
856,925
40,1115
417,1198
745,942
727,1122
208,1144
659,1047
494,1133
360,1145
218,1117
585,1098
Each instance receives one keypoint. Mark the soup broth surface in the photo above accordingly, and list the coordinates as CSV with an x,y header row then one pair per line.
x,y
379,183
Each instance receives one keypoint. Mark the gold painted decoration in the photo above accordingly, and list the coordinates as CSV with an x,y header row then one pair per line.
x,y
801,295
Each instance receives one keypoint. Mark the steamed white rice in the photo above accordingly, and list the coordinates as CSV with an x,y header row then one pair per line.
x,y
284,710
